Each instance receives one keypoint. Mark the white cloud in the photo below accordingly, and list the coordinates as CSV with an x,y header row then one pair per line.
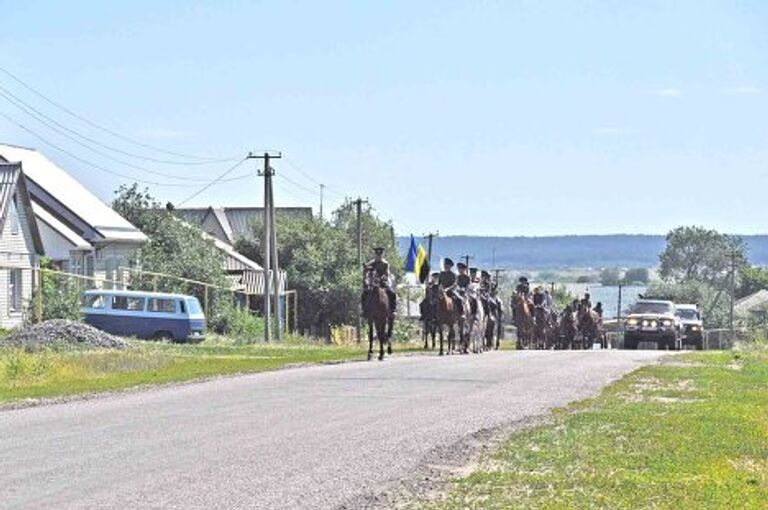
x,y
669,92
743,91
165,134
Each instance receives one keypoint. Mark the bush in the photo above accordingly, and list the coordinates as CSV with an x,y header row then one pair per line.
x,y
238,323
61,297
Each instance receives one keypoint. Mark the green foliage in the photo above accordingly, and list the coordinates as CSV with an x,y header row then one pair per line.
x,y
237,322
562,298
610,276
174,248
699,254
751,280
636,275
320,259
585,279
61,296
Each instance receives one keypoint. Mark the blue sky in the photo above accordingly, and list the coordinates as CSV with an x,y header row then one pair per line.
x,y
489,117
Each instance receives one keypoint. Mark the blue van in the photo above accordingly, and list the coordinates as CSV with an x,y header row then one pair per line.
x,y
152,315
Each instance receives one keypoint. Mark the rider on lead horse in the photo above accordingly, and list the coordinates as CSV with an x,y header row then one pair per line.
x,y
376,273
448,281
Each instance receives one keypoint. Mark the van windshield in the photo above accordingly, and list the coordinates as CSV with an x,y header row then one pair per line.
x,y
194,306
94,301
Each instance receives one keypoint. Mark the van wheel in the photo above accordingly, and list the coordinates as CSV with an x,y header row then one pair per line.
x,y
163,336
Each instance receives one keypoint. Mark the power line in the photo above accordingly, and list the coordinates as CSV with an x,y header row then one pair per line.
x,y
313,179
299,185
99,167
107,130
95,151
23,105
218,179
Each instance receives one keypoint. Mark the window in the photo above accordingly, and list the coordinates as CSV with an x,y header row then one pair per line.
x,y
14,217
14,290
161,305
132,304
95,301
194,306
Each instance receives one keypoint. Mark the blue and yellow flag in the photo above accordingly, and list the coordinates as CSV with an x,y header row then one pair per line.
x,y
422,264
410,260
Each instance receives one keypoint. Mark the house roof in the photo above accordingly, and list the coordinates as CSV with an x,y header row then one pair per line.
x,y
12,181
756,301
68,192
67,233
236,222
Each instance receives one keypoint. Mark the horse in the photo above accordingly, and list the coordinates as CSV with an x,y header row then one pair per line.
x,y
428,309
568,329
590,327
523,319
447,315
475,327
377,312
540,326
492,309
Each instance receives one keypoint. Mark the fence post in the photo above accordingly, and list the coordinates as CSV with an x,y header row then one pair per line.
x,y
205,302
39,297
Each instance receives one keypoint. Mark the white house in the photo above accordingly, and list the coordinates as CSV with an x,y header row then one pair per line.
x,y
80,233
20,245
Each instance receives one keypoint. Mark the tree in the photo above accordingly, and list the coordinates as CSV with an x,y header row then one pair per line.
x,y
700,255
320,259
610,276
174,247
751,280
636,275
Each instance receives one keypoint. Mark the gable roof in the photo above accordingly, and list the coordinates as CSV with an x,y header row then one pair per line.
x,y
51,186
236,222
754,302
12,182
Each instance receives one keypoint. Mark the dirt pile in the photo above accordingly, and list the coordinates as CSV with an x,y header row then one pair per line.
x,y
60,333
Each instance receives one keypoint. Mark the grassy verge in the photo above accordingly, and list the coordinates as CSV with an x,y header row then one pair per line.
x,y
54,373
691,433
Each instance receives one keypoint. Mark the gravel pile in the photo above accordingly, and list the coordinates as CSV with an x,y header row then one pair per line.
x,y
62,333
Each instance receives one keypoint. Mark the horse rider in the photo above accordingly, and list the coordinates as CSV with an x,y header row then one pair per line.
x,y
463,284
376,273
447,280
586,302
548,298
523,287
599,309
539,300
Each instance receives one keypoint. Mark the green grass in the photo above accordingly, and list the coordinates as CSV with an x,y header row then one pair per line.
x,y
59,373
689,434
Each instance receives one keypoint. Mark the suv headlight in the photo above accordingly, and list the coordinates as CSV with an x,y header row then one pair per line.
x,y
666,323
632,322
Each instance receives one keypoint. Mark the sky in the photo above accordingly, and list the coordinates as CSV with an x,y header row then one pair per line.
x,y
490,117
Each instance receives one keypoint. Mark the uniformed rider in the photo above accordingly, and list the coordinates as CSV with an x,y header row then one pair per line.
x,y
376,273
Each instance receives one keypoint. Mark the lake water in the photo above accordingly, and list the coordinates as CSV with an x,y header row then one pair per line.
x,y
608,296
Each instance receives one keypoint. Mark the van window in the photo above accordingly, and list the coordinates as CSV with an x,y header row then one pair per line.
x,y
95,301
134,304
183,306
194,306
161,305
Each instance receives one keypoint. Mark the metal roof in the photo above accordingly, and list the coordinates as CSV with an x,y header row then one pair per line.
x,y
137,293
237,222
72,195
67,233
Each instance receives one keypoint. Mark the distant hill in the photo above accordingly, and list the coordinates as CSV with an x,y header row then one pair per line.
x,y
560,252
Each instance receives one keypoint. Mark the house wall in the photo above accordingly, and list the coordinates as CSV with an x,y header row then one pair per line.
x,y
56,246
16,251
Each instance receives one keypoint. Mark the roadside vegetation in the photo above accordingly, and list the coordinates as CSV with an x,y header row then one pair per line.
x,y
55,373
691,432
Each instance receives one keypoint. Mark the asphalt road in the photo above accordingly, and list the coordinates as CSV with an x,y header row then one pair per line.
x,y
301,438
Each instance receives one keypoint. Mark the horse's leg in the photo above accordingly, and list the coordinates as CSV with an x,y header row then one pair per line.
x,y
433,327
381,332
425,334
440,332
390,322
370,339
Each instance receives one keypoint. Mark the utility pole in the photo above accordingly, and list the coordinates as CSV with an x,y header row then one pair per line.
x,y
467,259
359,211
618,309
430,237
733,291
322,188
269,241
275,264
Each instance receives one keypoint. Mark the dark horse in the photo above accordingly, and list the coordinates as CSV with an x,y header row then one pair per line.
x,y
377,313
590,326
568,329
523,319
447,314
428,309
493,313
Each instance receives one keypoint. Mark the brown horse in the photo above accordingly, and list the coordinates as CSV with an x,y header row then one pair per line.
x,y
523,319
376,311
590,326
568,329
448,315
428,309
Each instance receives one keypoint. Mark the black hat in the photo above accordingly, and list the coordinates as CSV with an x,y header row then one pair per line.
x,y
447,262
435,274
523,279
485,274
461,265
473,269
378,249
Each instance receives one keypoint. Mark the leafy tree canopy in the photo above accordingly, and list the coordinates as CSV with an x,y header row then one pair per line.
x,y
700,255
